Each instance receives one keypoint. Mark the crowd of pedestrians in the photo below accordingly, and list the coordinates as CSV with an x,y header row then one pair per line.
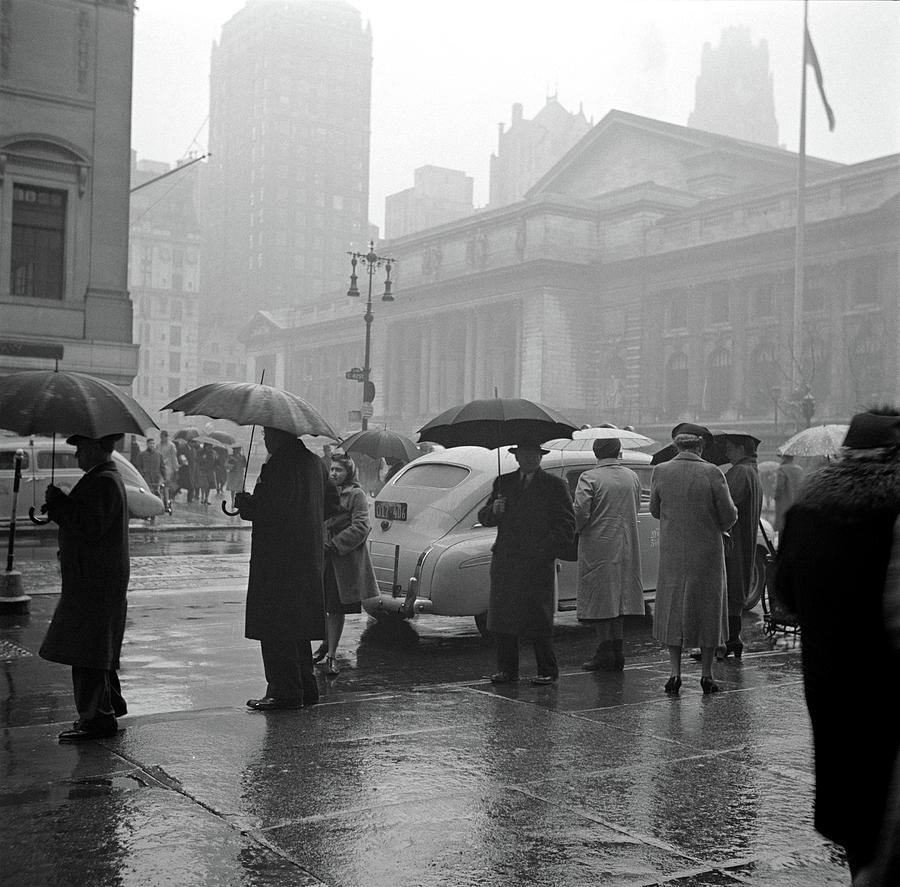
x,y
837,569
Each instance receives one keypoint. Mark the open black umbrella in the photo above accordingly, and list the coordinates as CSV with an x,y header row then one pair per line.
x,y
496,422
379,443
55,402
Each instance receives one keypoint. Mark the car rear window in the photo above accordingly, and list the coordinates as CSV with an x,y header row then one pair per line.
x,y
435,475
8,460
47,459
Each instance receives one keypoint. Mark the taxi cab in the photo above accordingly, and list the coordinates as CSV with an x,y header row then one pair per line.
x,y
431,555
39,456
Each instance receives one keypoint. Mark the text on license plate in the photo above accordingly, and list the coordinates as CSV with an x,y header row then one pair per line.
x,y
390,510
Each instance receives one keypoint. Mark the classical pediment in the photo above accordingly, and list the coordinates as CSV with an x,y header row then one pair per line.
x,y
624,150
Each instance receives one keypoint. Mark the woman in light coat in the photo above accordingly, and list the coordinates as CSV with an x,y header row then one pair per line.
x,y
690,498
349,576
607,500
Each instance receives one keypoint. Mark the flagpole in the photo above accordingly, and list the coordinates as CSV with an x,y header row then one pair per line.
x,y
799,240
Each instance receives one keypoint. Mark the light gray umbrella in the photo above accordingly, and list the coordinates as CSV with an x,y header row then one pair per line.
x,y
819,440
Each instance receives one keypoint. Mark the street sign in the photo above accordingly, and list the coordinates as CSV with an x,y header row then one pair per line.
x,y
356,374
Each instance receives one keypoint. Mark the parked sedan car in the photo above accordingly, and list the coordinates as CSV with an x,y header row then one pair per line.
x,y
38,457
431,556
429,551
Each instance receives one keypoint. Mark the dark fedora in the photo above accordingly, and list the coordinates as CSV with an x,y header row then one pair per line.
x,y
873,430
528,447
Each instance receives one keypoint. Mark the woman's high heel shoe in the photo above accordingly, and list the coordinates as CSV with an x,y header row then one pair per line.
x,y
321,653
673,685
331,666
708,685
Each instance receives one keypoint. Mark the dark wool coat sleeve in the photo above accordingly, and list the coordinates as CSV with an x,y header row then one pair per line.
x,y
285,599
538,525
831,567
746,493
89,622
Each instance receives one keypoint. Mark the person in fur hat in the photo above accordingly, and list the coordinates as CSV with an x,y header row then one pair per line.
x,y
832,563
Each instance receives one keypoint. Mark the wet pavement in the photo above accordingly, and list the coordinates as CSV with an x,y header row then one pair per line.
x,y
414,770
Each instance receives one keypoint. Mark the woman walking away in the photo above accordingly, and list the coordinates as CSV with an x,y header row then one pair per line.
x,y
349,576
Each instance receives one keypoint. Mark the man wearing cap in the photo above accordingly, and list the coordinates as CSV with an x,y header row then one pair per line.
x,y
832,563
532,511
607,501
746,493
89,622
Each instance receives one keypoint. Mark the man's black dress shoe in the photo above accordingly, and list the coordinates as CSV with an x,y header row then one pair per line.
x,y
271,703
82,734
501,677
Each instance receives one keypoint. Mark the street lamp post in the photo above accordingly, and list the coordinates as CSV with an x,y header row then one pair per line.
x,y
371,261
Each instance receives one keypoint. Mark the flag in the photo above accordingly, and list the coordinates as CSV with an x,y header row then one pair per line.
x,y
810,58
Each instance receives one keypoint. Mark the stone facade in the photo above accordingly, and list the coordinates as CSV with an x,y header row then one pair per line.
x,y
65,130
645,279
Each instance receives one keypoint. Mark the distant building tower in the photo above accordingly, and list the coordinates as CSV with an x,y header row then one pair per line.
x,y
734,93
438,195
530,147
290,95
164,280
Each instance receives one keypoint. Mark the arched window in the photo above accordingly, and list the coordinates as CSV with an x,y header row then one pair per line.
x,y
718,381
676,384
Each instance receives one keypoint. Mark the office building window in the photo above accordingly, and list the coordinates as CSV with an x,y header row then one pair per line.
x,y
38,241
676,384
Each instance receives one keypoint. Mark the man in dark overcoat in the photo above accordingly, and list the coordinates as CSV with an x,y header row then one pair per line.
x,y
746,493
832,563
89,622
285,595
532,511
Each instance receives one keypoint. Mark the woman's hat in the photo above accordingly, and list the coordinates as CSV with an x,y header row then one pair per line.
x,y
871,431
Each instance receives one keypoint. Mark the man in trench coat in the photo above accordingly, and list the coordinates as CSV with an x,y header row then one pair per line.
x,y
532,511
690,499
607,501
89,622
285,595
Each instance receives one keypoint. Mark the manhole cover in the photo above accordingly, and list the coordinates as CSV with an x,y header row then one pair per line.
x,y
9,650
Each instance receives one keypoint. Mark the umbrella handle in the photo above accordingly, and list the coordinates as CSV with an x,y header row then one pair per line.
x,y
230,513
32,516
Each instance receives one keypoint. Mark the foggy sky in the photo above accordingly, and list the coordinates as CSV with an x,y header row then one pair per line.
x,y
444,75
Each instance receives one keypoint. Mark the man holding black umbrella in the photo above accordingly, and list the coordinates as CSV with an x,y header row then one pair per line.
x,y
285,594
535,524
89,622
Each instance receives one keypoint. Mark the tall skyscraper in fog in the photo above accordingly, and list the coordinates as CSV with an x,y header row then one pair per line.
x,y
290,90
734,93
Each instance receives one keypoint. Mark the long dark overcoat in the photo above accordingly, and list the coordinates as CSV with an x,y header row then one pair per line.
x,y
833,556
348,531
288,507
746,493
691,500
89,621
538,526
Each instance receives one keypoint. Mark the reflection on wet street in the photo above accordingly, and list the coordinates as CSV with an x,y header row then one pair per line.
x,y
414,770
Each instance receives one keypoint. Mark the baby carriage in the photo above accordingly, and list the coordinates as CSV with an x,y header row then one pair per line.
x,y
776,617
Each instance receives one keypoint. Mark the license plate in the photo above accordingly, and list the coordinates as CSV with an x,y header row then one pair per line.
x,y
390,510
